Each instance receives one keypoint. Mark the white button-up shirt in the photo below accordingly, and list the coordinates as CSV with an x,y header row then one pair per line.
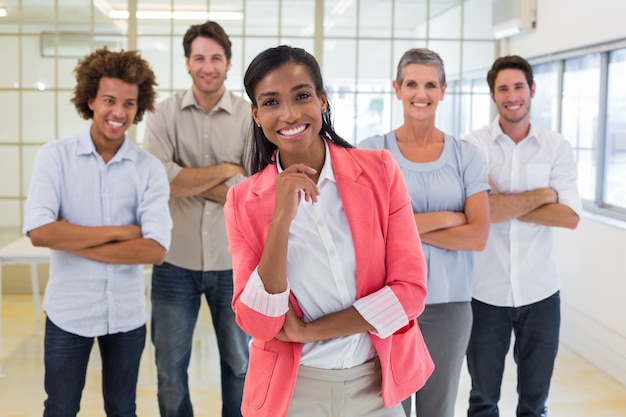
x,y
518,266
321,273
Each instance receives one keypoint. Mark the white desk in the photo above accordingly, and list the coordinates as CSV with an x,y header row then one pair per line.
x,y
22,252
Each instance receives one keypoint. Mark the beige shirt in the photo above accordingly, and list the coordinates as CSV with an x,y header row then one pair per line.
x,y
181,134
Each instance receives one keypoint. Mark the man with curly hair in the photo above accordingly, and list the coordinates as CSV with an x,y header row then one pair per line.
x,y
101,204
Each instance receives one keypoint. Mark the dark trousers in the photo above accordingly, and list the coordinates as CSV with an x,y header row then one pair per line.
x,y
66,356
176,295
536,329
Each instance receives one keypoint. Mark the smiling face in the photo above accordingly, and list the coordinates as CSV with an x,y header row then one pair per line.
x,y
420,91
512,94
290,114
207,64
114,109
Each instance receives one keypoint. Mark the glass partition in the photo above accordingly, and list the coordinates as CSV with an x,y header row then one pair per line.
x,y
358,47
579,117
615,142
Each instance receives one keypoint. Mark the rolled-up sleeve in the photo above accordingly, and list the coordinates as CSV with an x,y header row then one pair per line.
x,y
564,178
44,195
258,299
383,311
158,143
153,212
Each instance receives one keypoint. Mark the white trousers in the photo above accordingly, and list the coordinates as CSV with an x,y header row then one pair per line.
x,y
354,392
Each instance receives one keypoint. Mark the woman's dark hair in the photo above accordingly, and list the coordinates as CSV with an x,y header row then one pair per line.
x,y
127,66
262,149
211,30
509,62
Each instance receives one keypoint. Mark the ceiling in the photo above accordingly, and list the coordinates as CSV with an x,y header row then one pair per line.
x,y
83,15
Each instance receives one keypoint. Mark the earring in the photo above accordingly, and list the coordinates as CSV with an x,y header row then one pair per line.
x,y
258,124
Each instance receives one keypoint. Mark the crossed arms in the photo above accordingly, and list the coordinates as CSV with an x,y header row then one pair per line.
x,y
467,230
122,245
539,206
207,182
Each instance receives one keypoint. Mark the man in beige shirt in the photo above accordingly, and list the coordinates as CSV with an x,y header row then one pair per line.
x,y
200,136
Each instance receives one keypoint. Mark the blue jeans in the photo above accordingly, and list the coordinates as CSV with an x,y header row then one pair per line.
x,y
176,296
66,356
536,329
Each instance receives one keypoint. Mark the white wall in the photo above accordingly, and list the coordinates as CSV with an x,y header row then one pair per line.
x,y
570,24
593,257
592,261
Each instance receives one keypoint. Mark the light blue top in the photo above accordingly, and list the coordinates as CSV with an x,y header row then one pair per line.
x,y
70,180
441,185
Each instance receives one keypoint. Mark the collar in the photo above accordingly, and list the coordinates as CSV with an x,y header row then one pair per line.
x,y
86,147
497,133
225,103
327,172
345,169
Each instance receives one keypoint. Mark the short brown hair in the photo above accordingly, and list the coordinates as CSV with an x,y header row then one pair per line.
x,y
509,62
127,66
211,30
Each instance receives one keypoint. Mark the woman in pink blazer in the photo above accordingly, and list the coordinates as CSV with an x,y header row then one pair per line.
x,y
329,276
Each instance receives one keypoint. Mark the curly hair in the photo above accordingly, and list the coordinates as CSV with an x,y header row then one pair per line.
x,y
127,66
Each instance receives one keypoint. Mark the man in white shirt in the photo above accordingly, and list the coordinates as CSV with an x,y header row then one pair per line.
x,y
533,175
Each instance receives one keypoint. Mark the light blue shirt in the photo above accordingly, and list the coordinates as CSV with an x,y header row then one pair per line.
x,y
441,185
70,180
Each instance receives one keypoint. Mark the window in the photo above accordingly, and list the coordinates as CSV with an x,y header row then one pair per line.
x,y
545,106
357,42
585,95
579,119
615,135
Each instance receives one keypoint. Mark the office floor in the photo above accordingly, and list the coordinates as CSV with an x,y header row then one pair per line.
x,y
578,389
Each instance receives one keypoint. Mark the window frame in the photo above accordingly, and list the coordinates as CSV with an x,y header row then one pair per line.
x,y
598,205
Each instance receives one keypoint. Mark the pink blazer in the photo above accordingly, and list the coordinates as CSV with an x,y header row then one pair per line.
x,y
388,253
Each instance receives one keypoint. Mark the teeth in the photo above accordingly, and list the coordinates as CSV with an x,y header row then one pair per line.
x,y
291,132
116,124
517,106
420,104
